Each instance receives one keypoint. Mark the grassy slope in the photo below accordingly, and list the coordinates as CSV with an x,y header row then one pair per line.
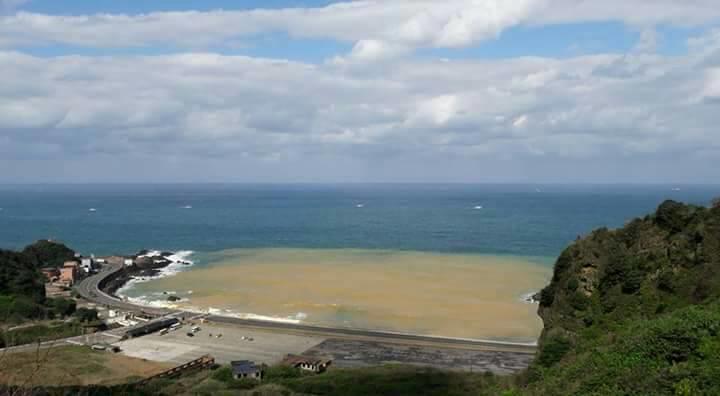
x,y
72,365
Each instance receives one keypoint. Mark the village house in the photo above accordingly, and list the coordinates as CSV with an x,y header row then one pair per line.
x,y
246,369
69,273
306,363
52,274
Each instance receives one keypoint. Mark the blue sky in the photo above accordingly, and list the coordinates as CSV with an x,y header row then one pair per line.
x,y
79,7
369,91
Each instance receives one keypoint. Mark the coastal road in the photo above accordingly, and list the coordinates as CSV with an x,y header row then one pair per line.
x,y
90,290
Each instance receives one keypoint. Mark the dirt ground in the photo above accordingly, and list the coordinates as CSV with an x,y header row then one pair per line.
x,y
73,365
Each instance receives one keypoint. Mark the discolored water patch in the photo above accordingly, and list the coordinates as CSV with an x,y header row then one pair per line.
x,y
454,295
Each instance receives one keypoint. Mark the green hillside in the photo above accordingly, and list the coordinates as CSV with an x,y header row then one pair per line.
x,y
22,285
635,310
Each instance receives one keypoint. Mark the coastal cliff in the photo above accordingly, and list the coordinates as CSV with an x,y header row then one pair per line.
x,y
651,266
635,310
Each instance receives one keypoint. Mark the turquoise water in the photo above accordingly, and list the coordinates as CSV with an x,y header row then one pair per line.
x,y
520,220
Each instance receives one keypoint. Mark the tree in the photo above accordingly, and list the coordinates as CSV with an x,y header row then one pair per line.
x,y
716,203
86,315
18,276
62,306
48,254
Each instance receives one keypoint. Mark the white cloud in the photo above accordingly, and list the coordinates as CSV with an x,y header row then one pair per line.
x,y
371,24
255,112
377,28
209,105
437,110
635,12
520,121
712,86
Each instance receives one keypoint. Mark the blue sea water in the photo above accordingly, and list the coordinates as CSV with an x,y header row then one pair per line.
x,y
520,220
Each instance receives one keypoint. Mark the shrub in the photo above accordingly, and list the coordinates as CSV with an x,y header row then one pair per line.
x,y
62,306
86,315
666,281
573,284
579,301
553,351
19,308
547,296
632,282
282,372
672,216
243,384
223,374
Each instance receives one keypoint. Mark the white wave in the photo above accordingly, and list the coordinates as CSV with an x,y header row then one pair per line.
x,y
528,298
179,262
295,319
148,301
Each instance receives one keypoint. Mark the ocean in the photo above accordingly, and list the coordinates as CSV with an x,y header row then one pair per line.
x,y
418,258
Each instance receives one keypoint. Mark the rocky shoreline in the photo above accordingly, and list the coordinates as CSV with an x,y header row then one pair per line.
x,y
146,264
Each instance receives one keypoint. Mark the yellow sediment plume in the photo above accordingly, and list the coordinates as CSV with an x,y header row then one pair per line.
x,y
454,295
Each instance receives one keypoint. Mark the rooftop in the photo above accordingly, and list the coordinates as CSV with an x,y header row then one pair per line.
x,y
244,367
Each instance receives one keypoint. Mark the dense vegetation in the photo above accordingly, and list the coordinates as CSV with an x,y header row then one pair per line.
x,y
22,285
635,310
20,277
22,294
48,254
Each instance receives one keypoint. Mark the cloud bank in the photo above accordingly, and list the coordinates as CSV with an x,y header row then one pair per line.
x,y
374,25
374,114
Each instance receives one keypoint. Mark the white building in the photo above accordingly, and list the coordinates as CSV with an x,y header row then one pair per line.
x,y
87,263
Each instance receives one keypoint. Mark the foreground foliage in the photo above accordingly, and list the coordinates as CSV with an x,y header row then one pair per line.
x,y
675,354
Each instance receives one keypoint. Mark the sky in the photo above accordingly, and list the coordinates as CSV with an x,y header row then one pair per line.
x,y
318,91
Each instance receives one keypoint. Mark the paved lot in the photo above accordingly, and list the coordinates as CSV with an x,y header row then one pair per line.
x,y
176,347
271,346
359,353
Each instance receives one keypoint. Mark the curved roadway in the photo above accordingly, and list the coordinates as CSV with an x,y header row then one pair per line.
x,y
90,290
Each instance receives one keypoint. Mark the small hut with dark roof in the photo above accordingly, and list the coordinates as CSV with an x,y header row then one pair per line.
x,y
246,369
